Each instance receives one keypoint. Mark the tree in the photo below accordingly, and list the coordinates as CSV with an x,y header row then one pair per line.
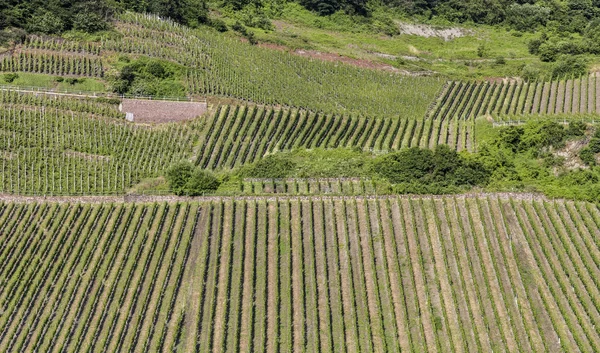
x,y
46,23
200,182
527,17
178,176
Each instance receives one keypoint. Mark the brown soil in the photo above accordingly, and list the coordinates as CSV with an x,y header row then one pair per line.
x,y
219,322
322,279
159,111
397,290
346,281
298,313
331,57
87,156
272,279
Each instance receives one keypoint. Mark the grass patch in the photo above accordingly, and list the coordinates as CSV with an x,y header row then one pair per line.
x,y
26,79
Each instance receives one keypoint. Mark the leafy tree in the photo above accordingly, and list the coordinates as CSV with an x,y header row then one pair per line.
x,y
273,166
527,17
46,23
576,128
587,156
199,182
570,66
178,176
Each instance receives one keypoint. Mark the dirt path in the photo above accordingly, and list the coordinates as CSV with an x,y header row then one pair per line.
x,y
335,291
223,291
349,299
452,323
322,278
273,289
395,280
298,300
370,276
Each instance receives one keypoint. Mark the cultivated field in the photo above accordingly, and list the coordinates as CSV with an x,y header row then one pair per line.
x,y
354,274
511,98
65,145
214,64
235,135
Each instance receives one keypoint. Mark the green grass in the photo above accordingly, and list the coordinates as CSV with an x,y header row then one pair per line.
x,y
26,79
298,28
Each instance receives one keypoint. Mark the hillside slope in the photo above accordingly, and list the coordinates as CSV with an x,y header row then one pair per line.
x,y
468,274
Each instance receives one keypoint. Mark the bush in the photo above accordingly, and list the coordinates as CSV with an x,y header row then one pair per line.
x,y
178,175
10,77
185,179
89,22
59,79
200,182
482,50
570,66
47,23
73,80
594,145
218,24
527,17
500,60
588,156
273,166
576,128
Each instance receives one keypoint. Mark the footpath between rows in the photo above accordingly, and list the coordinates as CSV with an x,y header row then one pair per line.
x,y
133,198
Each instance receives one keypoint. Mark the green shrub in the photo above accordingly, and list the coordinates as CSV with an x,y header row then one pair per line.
x,y
10,77
46,22
576,128
89,22
200,182
587,156
594,145
178,175
218,24
569,65
273,166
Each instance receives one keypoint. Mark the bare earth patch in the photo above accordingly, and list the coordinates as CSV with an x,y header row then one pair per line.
x,y
87,156
331,57
428,31
158,111
571,154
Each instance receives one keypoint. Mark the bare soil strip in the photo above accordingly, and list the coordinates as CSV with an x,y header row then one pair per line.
x,y
323,282
451,322
351,322
338,328
298,300
367,259
273,264
395,278
419,277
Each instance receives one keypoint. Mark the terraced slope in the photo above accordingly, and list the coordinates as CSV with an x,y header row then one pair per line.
x,y
66,145
235,135
467,274
509,98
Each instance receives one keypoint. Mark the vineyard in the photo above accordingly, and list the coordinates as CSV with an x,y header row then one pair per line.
x,y
509,98
53,63
320,186
321,274
52,145
223,66
235,135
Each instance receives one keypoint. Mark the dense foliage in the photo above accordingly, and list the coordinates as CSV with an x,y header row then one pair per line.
x,y
185,179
